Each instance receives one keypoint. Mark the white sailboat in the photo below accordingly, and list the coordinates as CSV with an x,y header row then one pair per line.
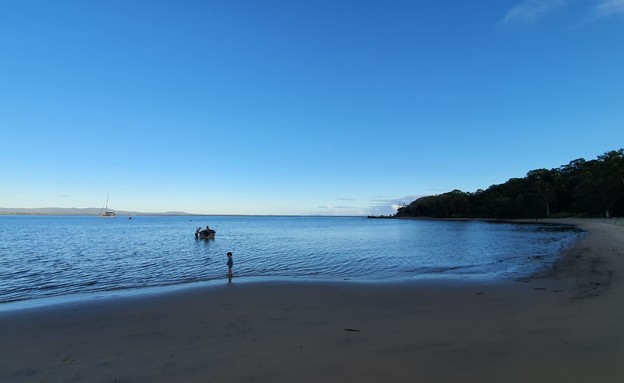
x,y
105,213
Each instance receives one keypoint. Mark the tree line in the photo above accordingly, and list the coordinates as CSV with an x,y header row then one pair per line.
x,y
593,188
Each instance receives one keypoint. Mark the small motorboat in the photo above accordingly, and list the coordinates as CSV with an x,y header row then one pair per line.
x,y
205,234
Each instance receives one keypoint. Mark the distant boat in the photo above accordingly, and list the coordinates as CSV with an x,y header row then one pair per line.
x,y
105,213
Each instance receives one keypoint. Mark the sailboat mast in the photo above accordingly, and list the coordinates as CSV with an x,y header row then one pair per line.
x,y
105,212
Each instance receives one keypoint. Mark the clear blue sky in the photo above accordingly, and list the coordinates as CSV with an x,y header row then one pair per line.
x,y
298,107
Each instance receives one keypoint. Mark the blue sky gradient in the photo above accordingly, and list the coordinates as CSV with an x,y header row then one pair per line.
x,y
292,107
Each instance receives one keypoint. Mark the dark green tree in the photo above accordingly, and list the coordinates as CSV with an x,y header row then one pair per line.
x,y
542,182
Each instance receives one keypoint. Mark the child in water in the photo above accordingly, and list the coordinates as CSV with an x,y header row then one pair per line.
x,y
230,263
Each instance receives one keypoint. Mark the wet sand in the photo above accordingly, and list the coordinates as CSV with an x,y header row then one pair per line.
x,y
563,325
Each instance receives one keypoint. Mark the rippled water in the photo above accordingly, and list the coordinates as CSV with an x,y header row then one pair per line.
x,y
60,256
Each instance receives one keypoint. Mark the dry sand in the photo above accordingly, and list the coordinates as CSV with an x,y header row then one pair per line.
x,y
566,325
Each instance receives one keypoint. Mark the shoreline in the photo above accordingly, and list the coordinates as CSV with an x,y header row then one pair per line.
x,y
559,326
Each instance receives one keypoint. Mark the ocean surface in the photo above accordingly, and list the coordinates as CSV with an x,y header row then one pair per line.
x,y
52,256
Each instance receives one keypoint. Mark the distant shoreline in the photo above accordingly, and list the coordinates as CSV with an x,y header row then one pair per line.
x,y
118,213
78,211
70,213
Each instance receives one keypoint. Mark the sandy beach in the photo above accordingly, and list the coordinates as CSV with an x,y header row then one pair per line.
x,y
562,325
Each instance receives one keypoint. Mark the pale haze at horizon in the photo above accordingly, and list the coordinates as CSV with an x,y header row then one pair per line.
x,y
281,107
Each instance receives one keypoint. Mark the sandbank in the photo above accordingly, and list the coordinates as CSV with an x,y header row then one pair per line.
x,y
561,325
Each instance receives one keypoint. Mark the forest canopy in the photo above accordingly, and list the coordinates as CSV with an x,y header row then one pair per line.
x,y
593,188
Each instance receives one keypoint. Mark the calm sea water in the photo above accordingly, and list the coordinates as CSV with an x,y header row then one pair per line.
x,y
61,256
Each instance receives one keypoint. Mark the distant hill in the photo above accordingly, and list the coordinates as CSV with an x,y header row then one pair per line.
x,y
90,211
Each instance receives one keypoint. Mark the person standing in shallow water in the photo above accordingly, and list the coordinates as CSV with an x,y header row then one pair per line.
x,y
230,263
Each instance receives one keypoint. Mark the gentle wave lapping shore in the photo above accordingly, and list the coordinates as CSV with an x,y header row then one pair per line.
x,y
562,325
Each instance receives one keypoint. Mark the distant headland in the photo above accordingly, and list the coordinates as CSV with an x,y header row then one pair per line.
x,y
90,211
582,188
